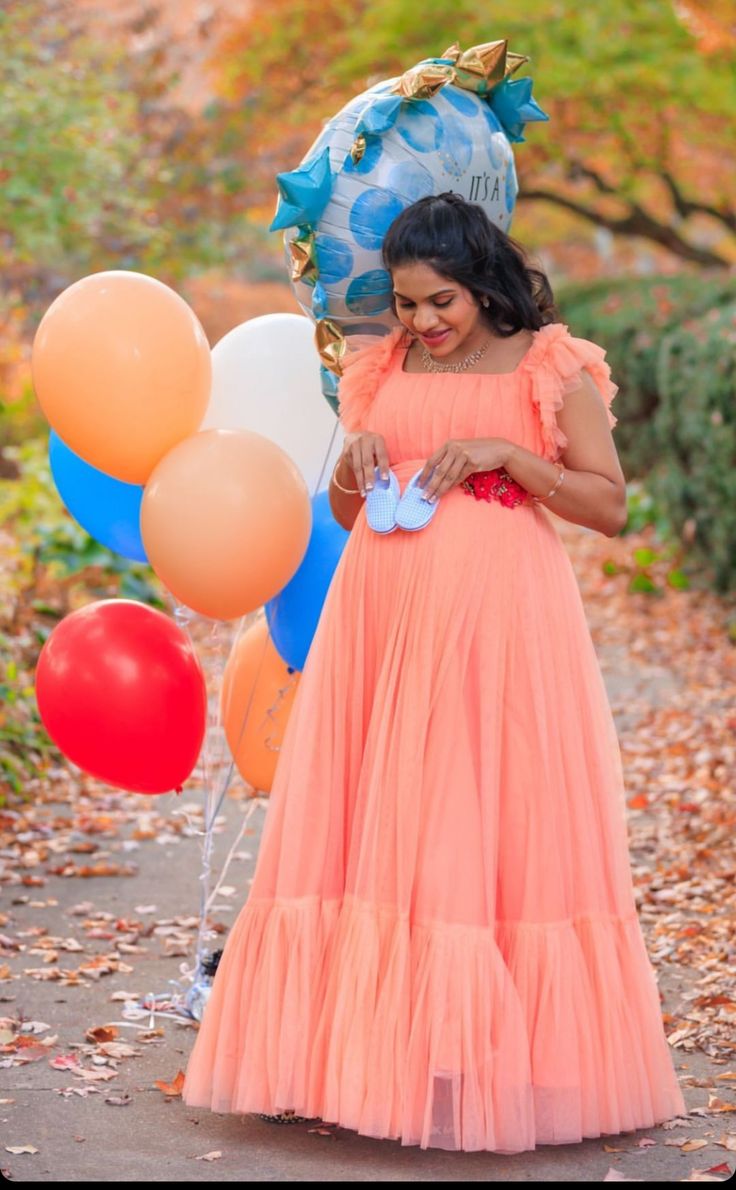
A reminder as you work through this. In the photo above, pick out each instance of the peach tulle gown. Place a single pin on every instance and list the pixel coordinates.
(441, 943)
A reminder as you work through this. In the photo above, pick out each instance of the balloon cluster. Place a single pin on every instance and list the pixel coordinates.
(447, 123)
(199, 463)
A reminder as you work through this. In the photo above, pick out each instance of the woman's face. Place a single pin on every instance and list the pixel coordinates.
(440, 312)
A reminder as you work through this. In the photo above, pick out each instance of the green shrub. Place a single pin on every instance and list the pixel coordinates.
(695, 425)
(628, 318)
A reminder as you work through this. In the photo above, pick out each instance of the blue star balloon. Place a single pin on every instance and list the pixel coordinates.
(303, 193)
(513, 104)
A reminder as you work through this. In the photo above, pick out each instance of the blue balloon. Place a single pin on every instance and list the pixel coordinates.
(457, 140)
(294, 613)
(107, 508)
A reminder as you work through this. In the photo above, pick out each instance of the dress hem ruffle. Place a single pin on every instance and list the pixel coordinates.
(437, 1035)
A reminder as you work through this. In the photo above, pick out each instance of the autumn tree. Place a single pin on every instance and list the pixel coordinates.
(99, 169)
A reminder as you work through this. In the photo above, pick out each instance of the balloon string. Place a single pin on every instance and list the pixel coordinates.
(325, 459)
(212, 808)
(256, 801)
(270, 714)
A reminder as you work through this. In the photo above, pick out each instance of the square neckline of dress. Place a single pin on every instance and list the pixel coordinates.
(513, 372)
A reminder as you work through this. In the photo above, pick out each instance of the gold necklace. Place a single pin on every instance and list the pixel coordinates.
(430, 364)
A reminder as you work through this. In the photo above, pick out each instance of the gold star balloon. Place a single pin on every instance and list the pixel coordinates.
(483, 67)
(357, 149)
(303, 258)
(331, 345)
(423, 81)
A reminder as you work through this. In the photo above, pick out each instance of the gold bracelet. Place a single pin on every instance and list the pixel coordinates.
(347, 491)
(551, 492)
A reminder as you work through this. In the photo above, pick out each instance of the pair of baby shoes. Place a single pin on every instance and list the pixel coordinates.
(386, 508)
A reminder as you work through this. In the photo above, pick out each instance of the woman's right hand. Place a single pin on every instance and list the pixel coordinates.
(362, 452)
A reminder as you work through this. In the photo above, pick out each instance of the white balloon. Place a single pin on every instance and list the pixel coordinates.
(266, 378)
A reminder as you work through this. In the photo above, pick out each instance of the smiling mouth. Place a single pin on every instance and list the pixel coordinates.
(435, 338)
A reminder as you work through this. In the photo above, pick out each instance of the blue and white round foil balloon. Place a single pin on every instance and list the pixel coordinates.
(447, 124)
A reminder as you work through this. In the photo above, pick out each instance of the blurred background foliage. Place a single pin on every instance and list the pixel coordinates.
(146, 135)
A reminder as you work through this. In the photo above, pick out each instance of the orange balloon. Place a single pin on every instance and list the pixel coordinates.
(122, 371)
(225, 521)
(257, 693)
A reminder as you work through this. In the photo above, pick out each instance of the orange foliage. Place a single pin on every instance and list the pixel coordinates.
(711, 22)
(222, 302)
(15, 353)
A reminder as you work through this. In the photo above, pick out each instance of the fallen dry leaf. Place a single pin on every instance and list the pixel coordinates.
(691, 1145)
(213, 1156)
(95, 1076)
(118, 1100)
(100, 869)
(174, 1088)
(64, 1062)
(118, 1049)
(20, 1149)
(716, 1104)
(701, 1175)
(102, 1033)
(23, 1051)
(174, 947)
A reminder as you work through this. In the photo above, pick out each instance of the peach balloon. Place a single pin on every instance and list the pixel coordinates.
(122, 371)
(257, 693)
(225, 521)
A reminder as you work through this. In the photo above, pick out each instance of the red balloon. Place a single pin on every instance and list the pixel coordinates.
(121, 692)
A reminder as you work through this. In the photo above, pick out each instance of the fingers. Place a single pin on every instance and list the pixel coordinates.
(365, 454)
(381, 457)
(430, 465)
(448, 472)
(368, 464)
(356, 462)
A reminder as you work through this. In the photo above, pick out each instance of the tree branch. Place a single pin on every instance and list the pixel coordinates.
(686, 206)
(577, 171)
(637, 223)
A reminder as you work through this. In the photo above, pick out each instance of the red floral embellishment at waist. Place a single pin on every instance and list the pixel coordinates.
(495, 485)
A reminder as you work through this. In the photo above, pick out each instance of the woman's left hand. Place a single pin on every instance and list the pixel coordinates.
(458, 458)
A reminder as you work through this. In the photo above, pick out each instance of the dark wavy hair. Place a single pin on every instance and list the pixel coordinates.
(458, 240)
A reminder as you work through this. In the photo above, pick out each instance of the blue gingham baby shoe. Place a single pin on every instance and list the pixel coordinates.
(413, 512)
(381, 502)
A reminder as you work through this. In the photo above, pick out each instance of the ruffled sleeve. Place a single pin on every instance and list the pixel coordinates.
(362, 374)
(555, 362)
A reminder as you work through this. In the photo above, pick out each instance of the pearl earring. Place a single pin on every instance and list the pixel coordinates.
(484, 301)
